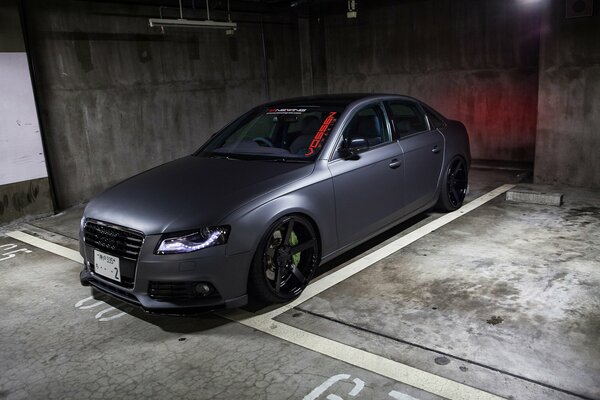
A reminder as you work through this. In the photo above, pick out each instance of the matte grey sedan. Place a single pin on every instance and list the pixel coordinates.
(282, 189)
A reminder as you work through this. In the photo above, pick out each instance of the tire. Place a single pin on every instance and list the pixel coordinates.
(285, 261)
(454, 185)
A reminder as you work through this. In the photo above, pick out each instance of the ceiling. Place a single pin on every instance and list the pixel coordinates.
(301, 7)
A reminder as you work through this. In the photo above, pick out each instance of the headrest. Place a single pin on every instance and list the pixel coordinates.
(309, 125)
(402, 125)
(368, 127)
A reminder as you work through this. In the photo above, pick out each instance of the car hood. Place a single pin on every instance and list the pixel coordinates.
(190, 193)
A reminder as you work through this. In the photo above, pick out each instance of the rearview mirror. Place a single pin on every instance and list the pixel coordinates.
(351, 147)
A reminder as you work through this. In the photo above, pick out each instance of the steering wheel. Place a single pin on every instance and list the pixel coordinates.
(264, 142)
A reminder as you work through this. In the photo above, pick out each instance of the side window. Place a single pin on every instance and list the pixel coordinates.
(434, 119)
(369, 124)
(407, 118)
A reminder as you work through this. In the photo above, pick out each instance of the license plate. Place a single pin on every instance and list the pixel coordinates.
(107, 266)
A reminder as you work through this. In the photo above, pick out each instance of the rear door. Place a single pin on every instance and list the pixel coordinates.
(423, 148)
(368, 189)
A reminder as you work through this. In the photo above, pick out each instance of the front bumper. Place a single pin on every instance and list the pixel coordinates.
(156, 276)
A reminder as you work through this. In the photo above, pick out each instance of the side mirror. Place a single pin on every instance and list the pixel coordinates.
(351, 147)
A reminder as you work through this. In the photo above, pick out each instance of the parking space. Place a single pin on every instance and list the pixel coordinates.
(59, 340)
(511, 323)
(519, 323)
(64, 340)
(299, 199)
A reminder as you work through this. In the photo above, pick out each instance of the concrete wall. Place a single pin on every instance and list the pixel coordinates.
(473, 60)
(24, 185)
(568, 132)
(119, 97)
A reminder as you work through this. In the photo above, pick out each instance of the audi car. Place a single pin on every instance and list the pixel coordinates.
(282, 189)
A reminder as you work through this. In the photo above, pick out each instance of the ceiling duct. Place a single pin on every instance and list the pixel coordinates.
(181, 22)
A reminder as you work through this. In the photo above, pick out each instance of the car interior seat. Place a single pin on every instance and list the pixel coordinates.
(402, 126)
(309, 126)
(369, 128)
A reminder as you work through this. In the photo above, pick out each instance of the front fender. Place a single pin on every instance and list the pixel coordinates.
(315, 202)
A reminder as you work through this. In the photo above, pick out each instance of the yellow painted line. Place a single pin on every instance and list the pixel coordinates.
(46, 245)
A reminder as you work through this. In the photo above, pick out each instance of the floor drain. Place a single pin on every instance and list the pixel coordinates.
(495, 320)
(442, 360)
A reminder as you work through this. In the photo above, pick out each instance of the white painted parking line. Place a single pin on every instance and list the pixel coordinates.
(107, 310)
(359, 385)
(45, 245)
(371, 362)
(80, 303)
(329, 385)
(400, 396)
(92, 305)
(10, 253)
(344, 273)
(264, 322)
(99, 316)
(319, 390)
(394, 370)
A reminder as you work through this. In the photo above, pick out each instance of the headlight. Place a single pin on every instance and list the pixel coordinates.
(202, 239)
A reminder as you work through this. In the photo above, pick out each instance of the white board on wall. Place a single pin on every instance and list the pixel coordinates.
(21, 151)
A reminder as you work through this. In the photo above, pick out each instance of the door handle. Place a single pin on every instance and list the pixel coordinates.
(435, 149)
(395, 163)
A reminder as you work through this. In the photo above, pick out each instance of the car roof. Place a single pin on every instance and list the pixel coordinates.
(343, 100)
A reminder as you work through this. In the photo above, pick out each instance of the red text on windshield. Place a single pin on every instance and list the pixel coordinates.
(321, 134)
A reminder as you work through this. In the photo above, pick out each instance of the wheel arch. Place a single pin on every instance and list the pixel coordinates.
(442, 203)
(288, 213)
(314, 204)
(257, 289)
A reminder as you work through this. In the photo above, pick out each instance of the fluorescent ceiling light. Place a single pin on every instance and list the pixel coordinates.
(191, 23)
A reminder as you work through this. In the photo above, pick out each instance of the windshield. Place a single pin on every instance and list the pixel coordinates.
(295, 133)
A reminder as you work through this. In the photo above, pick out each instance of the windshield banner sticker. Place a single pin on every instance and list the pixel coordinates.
(322, 134)
(276, 111)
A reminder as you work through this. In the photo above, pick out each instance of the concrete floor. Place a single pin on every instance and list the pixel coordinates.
(504, 299)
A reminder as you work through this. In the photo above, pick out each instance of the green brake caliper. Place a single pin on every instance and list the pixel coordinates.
(294, 242)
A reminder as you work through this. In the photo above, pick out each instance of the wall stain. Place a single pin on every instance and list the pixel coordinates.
(233, 48)
(26, 198)
(4, 204)
(83, 50)
(194, 48)
(144, 53)
(20, 200)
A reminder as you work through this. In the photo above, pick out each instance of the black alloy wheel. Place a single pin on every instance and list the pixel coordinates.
(285, 261)
(454, 186)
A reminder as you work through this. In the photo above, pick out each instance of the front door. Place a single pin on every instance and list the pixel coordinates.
(368, 189)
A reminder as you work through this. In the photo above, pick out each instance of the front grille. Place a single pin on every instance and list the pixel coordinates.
(116, 241)
(177, 291)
